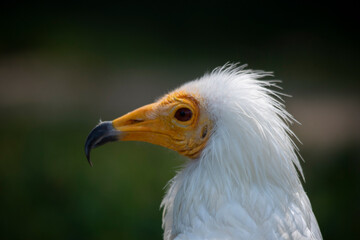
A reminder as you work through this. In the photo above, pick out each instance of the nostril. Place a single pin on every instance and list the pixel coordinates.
(134, 121)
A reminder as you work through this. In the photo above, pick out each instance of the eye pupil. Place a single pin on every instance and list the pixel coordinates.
(183, 114)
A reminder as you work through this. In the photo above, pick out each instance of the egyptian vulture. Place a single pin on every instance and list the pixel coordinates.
(241, 180)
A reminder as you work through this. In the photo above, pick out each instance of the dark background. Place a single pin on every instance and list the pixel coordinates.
(63, 66)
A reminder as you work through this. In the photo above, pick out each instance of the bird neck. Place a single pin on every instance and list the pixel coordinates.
(229, 175)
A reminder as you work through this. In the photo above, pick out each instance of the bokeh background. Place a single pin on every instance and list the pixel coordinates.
(65, 66)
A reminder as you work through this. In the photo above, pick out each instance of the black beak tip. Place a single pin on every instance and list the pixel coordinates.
(88, 148)
(101, 134)
(87, 153)
(90, 162)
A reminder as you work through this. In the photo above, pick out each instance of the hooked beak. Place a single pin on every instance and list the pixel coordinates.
(104, 132)
(142, 124)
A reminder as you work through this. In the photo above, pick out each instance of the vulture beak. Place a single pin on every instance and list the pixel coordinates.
(141, 124)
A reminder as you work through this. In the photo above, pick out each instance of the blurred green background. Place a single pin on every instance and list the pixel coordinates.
(65, 66)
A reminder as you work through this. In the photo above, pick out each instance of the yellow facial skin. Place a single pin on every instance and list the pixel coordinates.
(157, 124)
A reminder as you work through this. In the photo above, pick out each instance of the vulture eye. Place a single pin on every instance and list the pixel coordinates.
(183, 114)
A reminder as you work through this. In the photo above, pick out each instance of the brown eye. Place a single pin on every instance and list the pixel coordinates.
(183, 114)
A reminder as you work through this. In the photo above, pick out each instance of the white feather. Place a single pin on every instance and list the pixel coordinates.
(245, 184)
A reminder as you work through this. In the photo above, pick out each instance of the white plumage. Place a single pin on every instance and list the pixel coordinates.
(245, 184)
(242, 180)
